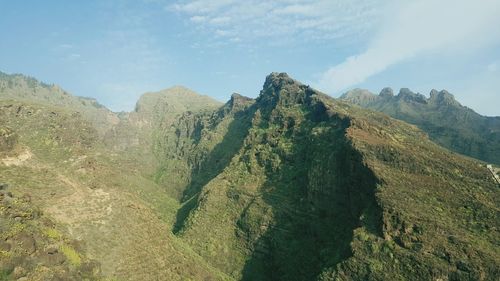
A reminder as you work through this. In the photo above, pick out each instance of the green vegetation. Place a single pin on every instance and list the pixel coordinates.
(52, 233)
(71, 255)
(293, 185)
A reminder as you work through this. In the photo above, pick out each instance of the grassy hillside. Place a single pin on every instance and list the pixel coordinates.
(32, 247)
(97, 195)
(27, 89)
(293, 185)
(447, 122)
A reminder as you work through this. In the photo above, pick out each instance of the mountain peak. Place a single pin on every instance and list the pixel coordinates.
(278, 76)
(387, 92)
(278, 80)
(177, 99)
(238, 101)
(409, 96)
(358, 93)
(279, 87)
(443, 97)
(237, 98)
(359, 96)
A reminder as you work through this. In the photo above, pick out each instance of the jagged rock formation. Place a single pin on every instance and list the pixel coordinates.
(293, 185)
(441, 116)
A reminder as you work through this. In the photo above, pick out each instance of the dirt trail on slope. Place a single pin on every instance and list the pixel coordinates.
(129, 239)
(83, 205)
(116, 227)
(17, 160)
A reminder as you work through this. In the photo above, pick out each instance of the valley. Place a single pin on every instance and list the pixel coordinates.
(292, 185)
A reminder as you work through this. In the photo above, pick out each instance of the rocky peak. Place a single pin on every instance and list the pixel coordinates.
(405, 92)
(237, 98)
(279, 88)
(443, 97)
(278, 80)
(409, 96)
(238, 102)
(387, 92)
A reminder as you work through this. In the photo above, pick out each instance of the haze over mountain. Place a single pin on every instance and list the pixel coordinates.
(292, 185)
(447, 122)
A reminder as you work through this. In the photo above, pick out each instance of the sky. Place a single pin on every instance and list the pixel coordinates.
(115, 50)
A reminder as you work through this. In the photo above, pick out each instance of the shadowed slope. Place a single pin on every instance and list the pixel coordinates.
(323, 190)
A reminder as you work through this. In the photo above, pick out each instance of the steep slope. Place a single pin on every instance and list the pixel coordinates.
(136, 134)
(445, 120)
(97, 195)
(197, 146)
(317, 189)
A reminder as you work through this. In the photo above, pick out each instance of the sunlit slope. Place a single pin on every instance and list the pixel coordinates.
(95, 195)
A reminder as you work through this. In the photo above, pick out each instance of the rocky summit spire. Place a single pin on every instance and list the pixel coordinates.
(387, 92)
(443, 97)
(409, 96)
(280, 88)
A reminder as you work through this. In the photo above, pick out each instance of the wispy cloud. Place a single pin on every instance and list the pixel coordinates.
(252, 20)
(415, 28)
(65, 46)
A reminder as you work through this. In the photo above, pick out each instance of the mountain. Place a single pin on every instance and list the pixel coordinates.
(447, 122)
(19, 87)
(292, 185)
(97, 187)
(318, 189)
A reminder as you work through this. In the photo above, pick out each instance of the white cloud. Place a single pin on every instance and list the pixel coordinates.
(74, 56)
(417, 27)
(65, 46)
(198, 19)
(202, 6)
(252, 20)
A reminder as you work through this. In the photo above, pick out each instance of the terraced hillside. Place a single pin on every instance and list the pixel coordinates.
(293, 185)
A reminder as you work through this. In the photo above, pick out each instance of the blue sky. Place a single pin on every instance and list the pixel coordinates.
(117, 50)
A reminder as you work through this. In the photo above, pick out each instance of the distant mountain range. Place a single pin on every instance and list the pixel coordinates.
(292, 185)
(447, 122)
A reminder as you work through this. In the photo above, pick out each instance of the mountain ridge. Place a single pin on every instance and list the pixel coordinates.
(292, 185)
(450, 124)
